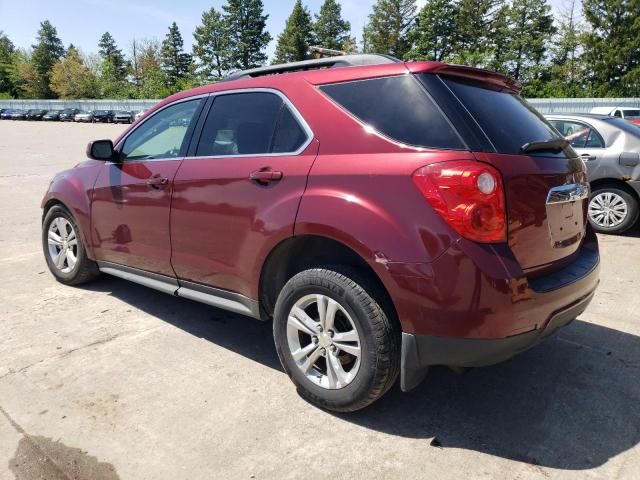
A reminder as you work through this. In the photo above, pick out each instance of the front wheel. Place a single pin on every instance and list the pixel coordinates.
(612, 209)
(64, 250)
(334, 340)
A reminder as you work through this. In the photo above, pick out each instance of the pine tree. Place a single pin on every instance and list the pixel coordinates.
(109, 51)
(388, 27)
(8, 67)
(46, 51)
(330, 29)
(70, 77)
(434, 33)
(297, 36)
(612, 46)
(473, 33)
(212, 46)
(176, 64)
(531, 32)
(499, 40)
(248, 37)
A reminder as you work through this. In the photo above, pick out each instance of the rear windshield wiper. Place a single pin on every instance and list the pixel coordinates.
(555, 145)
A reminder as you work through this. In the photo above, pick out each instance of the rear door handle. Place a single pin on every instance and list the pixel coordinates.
(587, 157)
(157, 182)
(265, 176)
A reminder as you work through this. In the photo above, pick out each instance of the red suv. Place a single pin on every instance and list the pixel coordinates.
(387, 216)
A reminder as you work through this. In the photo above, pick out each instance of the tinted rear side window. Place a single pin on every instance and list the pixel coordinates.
(505, 118)
(399, 108)
(289, 136)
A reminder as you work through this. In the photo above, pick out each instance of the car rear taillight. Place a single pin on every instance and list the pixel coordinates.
(468, 195)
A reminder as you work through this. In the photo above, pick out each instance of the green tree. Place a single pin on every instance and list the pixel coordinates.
(175, 63)
(28, 79)
(297, 36)
(8, 67)
(612, 46)
(70, 77)
(330, 29)
(46, 51)
(109, 51)
(212, 46)
(499, 40)
(248, 37)
(473, 32)
(433, 36)
(531, 32)
(389, 26)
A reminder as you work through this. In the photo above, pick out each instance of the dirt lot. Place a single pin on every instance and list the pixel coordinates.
(117, 381)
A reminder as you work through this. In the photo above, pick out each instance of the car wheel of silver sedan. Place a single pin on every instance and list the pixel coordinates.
(612, 209)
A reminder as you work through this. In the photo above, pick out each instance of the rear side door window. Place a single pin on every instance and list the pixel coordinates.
(399, 108)
(579, 134)
(250, 124)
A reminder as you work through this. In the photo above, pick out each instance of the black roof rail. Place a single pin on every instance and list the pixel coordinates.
(317, 64)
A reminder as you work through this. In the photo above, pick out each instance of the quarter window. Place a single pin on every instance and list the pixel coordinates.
(162, 135)
(399, 108)
(252, 123)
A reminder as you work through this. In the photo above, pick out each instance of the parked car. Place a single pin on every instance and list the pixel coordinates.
(122, 116)
(52, 115)
(5, 114)
(18, 114)
(103, 116)
(68, 114)
(35, 114)
(139, 114)
(388, 217)
(630, 114)
(83, 116)
(610, 147)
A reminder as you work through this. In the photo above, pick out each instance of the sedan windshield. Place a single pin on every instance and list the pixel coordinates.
(632, 114)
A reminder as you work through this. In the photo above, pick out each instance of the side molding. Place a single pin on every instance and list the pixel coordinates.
(215, 297)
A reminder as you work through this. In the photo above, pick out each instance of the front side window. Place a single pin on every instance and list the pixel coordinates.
(579, 134)
(397, 107)
(252, 123)
(162, 135)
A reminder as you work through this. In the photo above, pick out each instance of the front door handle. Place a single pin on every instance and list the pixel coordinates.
(265, 175)
(157, 182)
(587, 157)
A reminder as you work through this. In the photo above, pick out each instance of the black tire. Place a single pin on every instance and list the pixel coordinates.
(379, 337)
(633, 211)
(84, 269)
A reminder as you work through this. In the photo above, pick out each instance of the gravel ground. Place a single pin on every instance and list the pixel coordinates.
(113, 380)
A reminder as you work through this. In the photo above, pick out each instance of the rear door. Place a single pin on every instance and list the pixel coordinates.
(237, 194)
(585, 139)
(545, 190)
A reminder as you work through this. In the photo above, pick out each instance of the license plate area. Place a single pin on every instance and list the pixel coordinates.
(566, 213)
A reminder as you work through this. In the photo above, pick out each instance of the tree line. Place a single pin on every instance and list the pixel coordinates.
(592, 48)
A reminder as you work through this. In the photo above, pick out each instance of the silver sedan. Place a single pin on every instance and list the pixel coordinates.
(610, 147)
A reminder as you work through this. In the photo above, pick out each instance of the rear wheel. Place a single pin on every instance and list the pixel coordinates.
(612, 209)
(334, 340)
(64, 250)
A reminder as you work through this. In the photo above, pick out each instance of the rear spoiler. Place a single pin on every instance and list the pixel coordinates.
(494, 79)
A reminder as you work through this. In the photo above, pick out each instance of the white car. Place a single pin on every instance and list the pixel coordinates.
(631, 114)
(139, 114)
(83, 116)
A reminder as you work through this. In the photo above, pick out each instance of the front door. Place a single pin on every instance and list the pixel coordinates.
(238, 193)
(132, 197)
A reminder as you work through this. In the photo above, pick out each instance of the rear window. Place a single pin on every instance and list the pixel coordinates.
(507, 119)
(399, 108)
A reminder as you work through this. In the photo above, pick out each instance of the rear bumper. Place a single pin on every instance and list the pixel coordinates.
(419, 352)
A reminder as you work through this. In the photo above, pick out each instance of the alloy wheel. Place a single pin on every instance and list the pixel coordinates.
(63, 244)
(323, 341)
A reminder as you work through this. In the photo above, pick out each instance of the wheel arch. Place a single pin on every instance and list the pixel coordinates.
(298, 253)
(615, 182)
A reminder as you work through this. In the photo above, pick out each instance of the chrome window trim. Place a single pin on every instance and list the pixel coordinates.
(296, 114)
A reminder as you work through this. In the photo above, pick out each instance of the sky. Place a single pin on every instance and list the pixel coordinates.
(82, 22)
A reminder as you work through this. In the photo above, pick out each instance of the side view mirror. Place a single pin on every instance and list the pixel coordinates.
(100, 150)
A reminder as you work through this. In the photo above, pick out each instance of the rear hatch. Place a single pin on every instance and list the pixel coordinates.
(544, 179)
